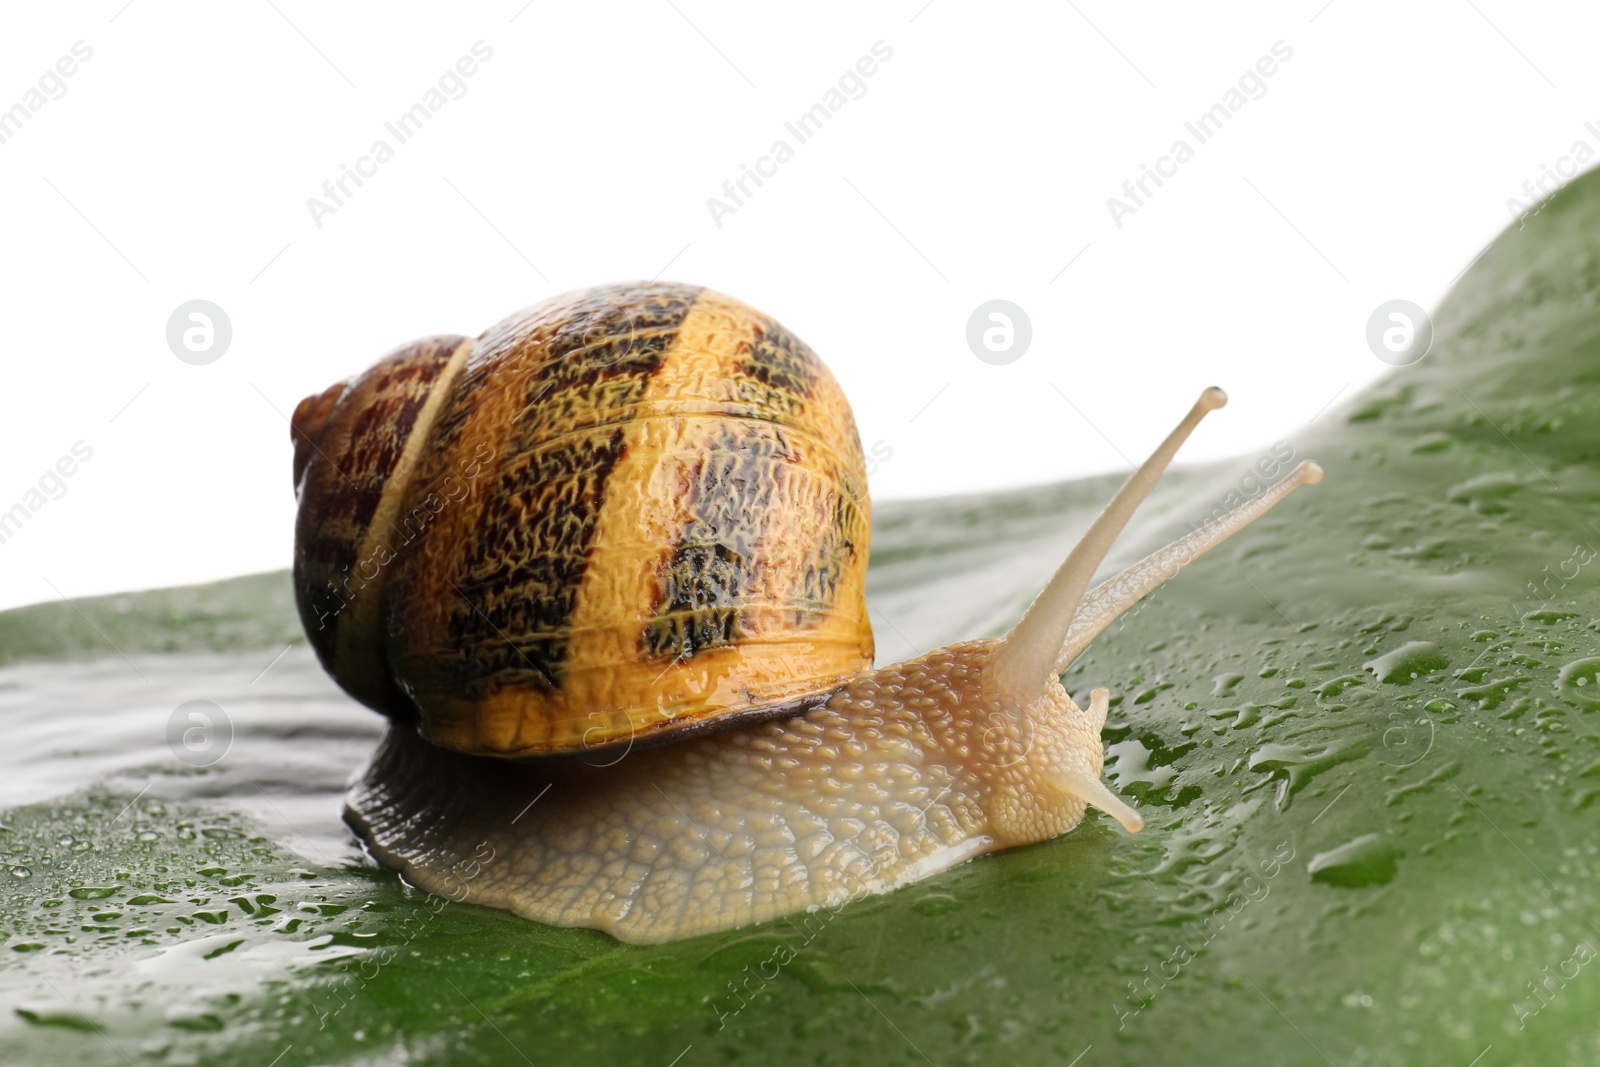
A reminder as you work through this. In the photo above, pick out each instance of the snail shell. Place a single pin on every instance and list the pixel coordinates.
(626, 514)
(639, 512)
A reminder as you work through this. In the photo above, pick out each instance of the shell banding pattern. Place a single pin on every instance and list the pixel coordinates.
(624, 514)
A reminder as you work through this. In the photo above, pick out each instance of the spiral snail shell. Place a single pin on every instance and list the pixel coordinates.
(627, 514)
(636, 517)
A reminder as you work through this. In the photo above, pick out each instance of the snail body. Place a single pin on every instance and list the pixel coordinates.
(903, 774)
(704, 662)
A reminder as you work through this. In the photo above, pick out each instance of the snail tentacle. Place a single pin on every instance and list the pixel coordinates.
(1106, 601)
(1099, 707)
(1025, 661)
(1087, 786)
(1082, 782)
(1091, 790)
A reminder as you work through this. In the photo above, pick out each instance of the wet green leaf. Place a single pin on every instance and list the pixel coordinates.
(1364, 735)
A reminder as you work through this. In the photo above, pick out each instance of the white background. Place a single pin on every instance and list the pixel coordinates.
(977, 165)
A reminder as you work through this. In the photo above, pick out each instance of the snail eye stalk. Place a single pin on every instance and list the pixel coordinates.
(1101, 605)
(1024, 663)
(1062, 620)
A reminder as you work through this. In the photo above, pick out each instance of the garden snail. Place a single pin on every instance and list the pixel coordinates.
(629, 526)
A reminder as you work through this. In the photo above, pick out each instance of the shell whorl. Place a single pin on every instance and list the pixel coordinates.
(636, 511)
(356, 445)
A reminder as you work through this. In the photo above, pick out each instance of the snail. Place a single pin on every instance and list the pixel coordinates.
(603, 568)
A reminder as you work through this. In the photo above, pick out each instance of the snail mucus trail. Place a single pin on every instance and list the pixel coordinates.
(627, 661)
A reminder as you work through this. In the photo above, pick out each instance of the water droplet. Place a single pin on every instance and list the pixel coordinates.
(936, 904)
(68, 1020)
(1334, 686)
(1367, 860)
(20, 871)
(1486, 494)
(1579, 683)
(93, 892)
(1408, 662)
(1437, 441)
(1223, 684)
(1294, 765)
(1132, 767)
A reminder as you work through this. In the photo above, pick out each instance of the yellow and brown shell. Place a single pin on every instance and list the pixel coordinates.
(625, 514)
